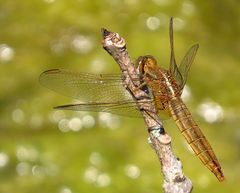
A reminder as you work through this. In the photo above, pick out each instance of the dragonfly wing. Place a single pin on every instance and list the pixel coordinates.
(186, 63)
(87, 87)
(173, 66)
(124, 108)
(101, 92)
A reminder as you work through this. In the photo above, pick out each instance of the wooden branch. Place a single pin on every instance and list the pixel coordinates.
(174, 179)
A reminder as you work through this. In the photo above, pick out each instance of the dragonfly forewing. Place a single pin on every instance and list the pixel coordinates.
(100, 88)
(180, 73)
(173, 65)
(97, 92)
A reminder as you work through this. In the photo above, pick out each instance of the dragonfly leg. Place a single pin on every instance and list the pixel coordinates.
(151, 74)
(143, 86)
(160, 129)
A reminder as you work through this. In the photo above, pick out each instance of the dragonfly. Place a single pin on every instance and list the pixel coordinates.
(106, 93)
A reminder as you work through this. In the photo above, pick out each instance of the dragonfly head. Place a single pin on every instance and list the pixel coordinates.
(146, 64)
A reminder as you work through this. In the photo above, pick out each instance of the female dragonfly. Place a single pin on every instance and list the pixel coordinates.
(106, 93)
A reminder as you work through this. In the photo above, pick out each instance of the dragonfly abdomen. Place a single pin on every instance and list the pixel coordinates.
(194, 136)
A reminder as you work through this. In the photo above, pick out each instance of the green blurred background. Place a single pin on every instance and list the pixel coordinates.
(43, 150)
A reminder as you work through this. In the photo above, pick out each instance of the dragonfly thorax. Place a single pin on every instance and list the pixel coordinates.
(159, 81)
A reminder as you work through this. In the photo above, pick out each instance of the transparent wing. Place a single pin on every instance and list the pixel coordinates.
(180, 73)
(100, 92)
(86, 86)
(173, 66)
(124, 108)
(186, 63)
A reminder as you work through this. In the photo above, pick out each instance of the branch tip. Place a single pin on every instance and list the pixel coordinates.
(105, 32)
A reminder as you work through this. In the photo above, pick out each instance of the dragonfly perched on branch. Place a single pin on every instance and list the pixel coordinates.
(106, 93)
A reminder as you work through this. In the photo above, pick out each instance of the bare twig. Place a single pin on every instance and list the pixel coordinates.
(174, 179)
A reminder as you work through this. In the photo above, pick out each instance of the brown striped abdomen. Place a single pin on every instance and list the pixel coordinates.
(194, 136)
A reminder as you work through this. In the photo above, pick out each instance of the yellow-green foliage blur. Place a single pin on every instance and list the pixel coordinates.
(50, 151)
